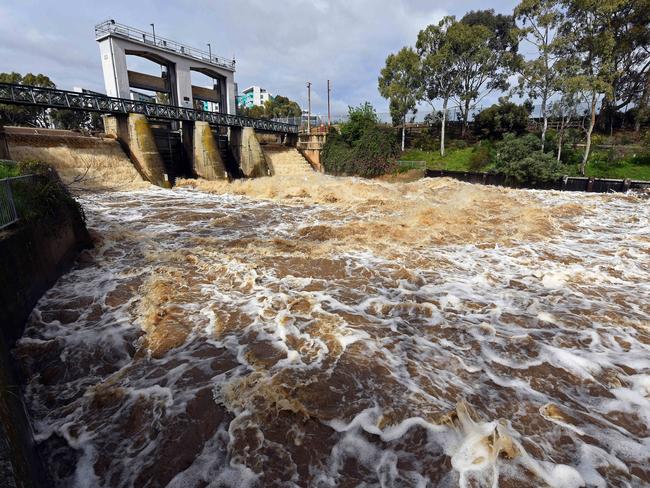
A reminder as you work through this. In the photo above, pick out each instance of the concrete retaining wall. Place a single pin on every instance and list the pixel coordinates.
(32, 257)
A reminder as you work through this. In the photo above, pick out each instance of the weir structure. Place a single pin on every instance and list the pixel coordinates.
(184, 130)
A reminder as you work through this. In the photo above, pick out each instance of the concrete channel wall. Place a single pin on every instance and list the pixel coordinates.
(566, 183)
(32, 257)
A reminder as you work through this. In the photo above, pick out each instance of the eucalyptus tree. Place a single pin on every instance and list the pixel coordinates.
(630, 74)
(439, 76)
(400, 83)
(540, 76)
(589, 54)
(483, 47)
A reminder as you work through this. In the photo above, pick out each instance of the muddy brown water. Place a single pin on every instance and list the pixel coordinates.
(336, 332)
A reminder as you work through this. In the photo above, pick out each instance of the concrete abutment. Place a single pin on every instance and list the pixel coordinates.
(135, 135)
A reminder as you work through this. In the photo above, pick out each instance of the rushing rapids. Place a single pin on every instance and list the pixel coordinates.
(337, 332)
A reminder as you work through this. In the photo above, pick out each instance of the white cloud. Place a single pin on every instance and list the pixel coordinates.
(278, 44)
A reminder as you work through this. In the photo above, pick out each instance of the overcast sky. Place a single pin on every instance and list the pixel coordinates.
(279, 45)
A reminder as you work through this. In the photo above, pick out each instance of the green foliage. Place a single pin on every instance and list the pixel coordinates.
(520, 158)
(280, 106)
(8, 169)
(77, 120)
(18, 115)
(362, 148)
(425, 141)
(42, 198)
(275, 107)
(359, 119)
(481, 156)
(513, 148)
(400, 83)
(504, 117)
(375, 152)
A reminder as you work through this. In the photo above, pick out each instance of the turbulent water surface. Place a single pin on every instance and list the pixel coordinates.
(333, 332)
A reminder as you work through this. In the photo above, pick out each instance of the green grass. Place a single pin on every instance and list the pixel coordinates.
(633, 167)
(454, 159)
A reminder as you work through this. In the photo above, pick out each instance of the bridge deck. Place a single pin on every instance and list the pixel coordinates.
(52, 98)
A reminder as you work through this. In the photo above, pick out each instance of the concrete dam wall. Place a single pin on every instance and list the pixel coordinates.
(81, 161)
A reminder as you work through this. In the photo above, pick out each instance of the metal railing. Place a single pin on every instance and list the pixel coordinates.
(110, 27)
(53, 98)
(8, 211)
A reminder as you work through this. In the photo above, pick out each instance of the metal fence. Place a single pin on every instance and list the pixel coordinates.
(566, 183)
(8, 211)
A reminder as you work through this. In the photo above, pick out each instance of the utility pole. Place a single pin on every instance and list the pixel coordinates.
(309, 107)
(210, 51)
(153, 28)
(329, 112)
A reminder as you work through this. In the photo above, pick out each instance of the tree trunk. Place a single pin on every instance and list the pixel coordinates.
(592, 122)
(643, 104)
(403, 131)
(442, 128)
(544, 123)
(465, 120)
(560, 138)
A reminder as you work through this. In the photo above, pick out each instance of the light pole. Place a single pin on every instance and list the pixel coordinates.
(329, 112)
(153, 28)
(210, 51)
(309, 107)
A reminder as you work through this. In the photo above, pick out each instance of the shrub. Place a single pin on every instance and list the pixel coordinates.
(540, 167)
(513, 148)
(376, 152)
(521, 158)
(337, 155)
(458, 144)
(504, 117)
(425, 141)
(481, 156)
(363, 148)
(359, 119)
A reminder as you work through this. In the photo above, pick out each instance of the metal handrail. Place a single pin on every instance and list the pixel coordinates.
(110, 27)
(53, 98)
(8, 213)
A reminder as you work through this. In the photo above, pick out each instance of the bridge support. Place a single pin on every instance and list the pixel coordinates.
(207, 162)
(248, 153)
(135, 135)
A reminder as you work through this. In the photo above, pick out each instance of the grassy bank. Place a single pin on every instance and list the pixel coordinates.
(601, 164)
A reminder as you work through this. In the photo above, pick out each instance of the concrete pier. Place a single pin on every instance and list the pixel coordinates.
(207, 162)
(248, 153)
(136, 137)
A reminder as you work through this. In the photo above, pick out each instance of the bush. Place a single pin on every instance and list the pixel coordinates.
(376, 152)
(337, 155)
(540, 167)
(363, 148)
(504, 117)
(359, 119)
(513, 148)
(425, 141)
(521, 158)
(481, 156)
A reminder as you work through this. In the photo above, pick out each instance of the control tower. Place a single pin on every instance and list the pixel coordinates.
(117, 41)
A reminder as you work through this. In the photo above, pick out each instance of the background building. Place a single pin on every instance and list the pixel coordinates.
(253, 96)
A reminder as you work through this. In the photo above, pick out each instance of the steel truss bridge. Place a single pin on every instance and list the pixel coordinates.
(52, 98)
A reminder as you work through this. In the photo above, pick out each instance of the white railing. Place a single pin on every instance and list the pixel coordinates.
(110, 27)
